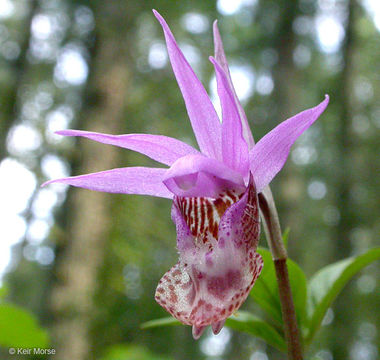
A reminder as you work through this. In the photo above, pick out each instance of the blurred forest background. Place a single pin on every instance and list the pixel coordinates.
(86, 264)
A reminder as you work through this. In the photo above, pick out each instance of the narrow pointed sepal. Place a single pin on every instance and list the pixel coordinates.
(234, 146)
(220, 57)
(131, 180)
(217, 326)
(202, 114)
(269, 155)
(163, 149)
(198, 331)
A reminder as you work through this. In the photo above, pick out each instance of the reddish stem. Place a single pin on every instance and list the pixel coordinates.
(288, 313)
(279, 254)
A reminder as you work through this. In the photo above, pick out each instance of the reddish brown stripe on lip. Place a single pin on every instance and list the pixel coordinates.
(202, 215)
(220, 206)
(190, 211)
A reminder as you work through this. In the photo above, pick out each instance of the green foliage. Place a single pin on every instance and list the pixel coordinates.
(253, 325)
(19, 328)
(312, 299)
(242, 321)
(3, 292)
(328, 282)
(285, 236)
(167, 321)
(265, 291)
(131, 352)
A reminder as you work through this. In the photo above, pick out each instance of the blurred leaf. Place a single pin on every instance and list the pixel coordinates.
(167, 321)
(285, 237)
(3, 292)
(328, 282)
(242, 321)
(251, 324)
(131, 352)
(265, 290)
(298, 284)
(19, 328)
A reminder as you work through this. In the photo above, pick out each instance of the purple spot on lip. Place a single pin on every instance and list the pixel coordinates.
(221, 242)
(219, 286)
(208, 257)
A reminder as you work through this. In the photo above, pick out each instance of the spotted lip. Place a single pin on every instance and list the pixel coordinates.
(218, 265)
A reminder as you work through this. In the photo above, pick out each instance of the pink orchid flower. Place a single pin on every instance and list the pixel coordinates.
(214, 191)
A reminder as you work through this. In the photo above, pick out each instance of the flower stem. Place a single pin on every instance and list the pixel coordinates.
(279, 254)
(288, 313)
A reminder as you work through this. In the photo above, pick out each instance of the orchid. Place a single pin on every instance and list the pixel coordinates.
(214, 191)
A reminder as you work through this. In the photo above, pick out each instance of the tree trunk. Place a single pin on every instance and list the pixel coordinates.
(88, 212)
(344, 150)
(343, 98)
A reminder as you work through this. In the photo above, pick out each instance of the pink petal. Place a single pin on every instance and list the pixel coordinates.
(130, 180)
(160, 148)
(204, 120)
(198, 331)
(269, 155)
(234, 147)
(197, 175)
(222, 61)
(217, 326)
(212, 278)
(240, 224)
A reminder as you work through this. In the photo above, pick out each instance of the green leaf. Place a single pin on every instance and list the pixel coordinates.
(285, 237)
(265, 290)
(241, 321)
(19, 328)
(130, 352)
(328, 282)
(3, 292)
(167, 321)
(253, 325)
